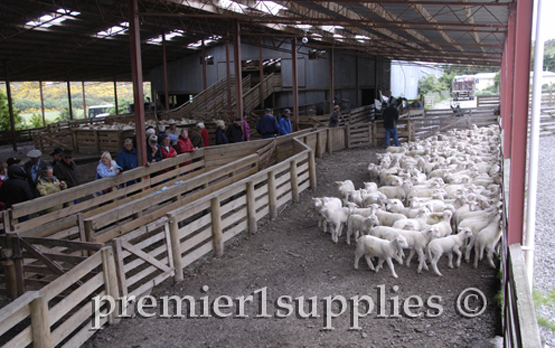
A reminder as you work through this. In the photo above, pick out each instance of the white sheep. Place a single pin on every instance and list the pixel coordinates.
(344, 188)
(396, 206)
(444, 227)
(374, 198)
(477, 224)
(321, 202)
(487, 239)
(399, 192)
(387, 218)
(358, 224)
(336, 218)
(417, 242)
(370, 246)
(420, 221)
(450, 244)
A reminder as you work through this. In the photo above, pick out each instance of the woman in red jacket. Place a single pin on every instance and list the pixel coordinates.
(184, 144)
(167, 150)
(204, 133)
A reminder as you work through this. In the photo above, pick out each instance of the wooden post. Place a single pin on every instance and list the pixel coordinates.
(118, 253)
(97, 141)
(409, 129)
(251, 207)
(272, 195)
(375, 135)
(110, 281)
(318, 145)
(13, 244)
(89, 232)
(369, 133)
(40, 323)
(217, 227)
(6, 220)
(10, 273)
(312, 170)
(176, 248)
(294, 181)
(329, 140)
(348, 135)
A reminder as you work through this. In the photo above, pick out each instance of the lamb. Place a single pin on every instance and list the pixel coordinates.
(374, 198)
(476, 225)
(387, 218)
(450, 244)
(360, 224)
(396, 206)
(319, 203)
(444, 227)
(370, 246)
(417, 242)
(344, 188)
(336, 218)
(399, 192)
(419, 221)
(487, 239)
(381, 231)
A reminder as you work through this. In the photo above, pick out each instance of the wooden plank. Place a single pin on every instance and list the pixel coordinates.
(197, 239)
(64, 243)
(234, 218)
(139, 262)
(84, 334)
(195, 225)
(22, 339)
(136, 278)
(145, 256)
(236, 203)
(64, 281)
(196, 254)
(235, 230)
(17, 310)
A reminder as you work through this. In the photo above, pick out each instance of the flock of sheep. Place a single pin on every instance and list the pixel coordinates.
(184, 122)
(436, 196)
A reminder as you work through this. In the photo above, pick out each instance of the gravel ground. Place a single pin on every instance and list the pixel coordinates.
(544, 261)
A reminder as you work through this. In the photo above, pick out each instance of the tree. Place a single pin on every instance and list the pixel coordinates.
(430, 84)
(123, 107)
(64, 115)
(5, 115)
(36, 120)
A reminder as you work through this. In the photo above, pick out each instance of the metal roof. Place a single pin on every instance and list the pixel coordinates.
(87, 40)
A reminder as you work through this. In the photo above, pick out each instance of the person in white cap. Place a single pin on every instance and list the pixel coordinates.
(173, 128)
(34, 168)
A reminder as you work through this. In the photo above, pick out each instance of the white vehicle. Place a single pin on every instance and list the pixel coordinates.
(99, 110)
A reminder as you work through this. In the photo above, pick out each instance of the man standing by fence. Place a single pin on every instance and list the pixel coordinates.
(390, 117)
(267, 126)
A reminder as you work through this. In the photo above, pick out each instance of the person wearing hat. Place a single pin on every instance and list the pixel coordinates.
(34, 168)
(153, 153)
(285, 122)
(12, 161)
(390, 117)
(334, 117)
(204, 133)
(195, 136)
(66, 170)
(57, 156)
(267, 126)
(173, 128)
(221, 138)
(234, 132)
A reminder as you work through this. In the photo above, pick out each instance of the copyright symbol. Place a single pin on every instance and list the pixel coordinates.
(471, 302)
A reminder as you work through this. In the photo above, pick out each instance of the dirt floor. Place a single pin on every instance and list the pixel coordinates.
(291, 257)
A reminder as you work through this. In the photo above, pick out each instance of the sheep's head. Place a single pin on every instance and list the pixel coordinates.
(401, 242)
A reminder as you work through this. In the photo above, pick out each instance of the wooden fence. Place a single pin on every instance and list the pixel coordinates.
(61, 313)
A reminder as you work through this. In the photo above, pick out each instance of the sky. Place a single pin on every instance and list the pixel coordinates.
(547, 23)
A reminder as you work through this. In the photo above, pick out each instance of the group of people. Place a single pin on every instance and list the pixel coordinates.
(267, 126)
(37, 177)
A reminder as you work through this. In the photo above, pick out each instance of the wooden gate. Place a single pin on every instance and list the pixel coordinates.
(144, 258)
(358, 134)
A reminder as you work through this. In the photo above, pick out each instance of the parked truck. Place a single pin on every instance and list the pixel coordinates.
(464, 87)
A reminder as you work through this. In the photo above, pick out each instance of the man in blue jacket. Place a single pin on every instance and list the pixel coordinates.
(267, 126)
(390, 117)
(285, 122)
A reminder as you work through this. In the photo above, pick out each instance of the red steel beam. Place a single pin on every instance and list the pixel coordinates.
(228, 74)
(10, 107)
(509, 83)
(84, 100)
(238, 68)
(165, 61)
(42, 105)
(261, 68)
(203, 67)
(295, 77)
(521, 92)
(137, 73)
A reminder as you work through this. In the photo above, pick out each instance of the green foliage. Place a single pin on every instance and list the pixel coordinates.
(123, 106)
(547, 300)
(456, 70)
(430, 84)
(5, 115)
(64, 115)
(35, 121)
